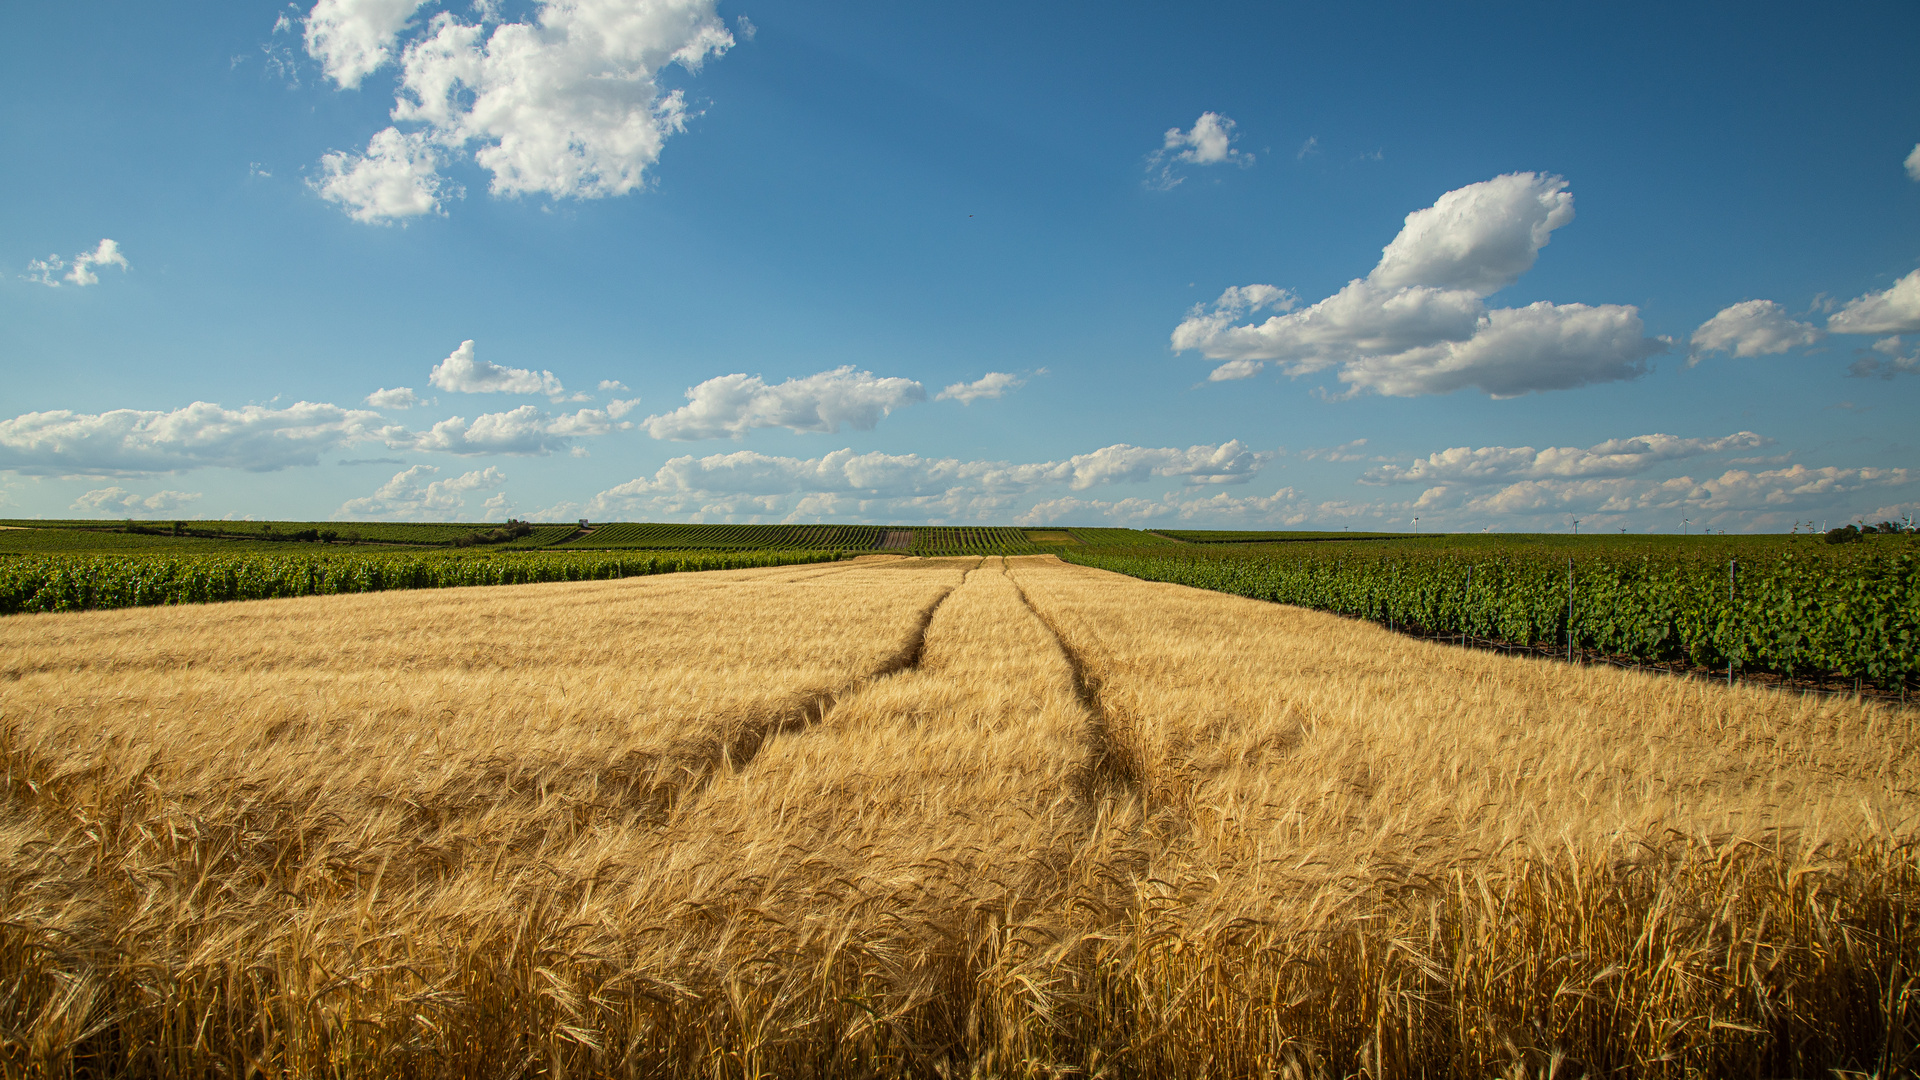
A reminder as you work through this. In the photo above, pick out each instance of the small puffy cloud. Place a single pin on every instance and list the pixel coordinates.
(1479, 238)
(1895, 310)
(354, 38)
(412, 496)
(1469, 466)
(1206, 325)
(612, 384)
(45, 271)
(397, 178)
(1347, 451)
(566, 104)
(1417, 323)
(80, 273)
(1208, 143)
(1913, 163)
(1235, 369)
(991, 385)
(106, 254)
(1752, 328)
(400, 397)
(119, 502)
(732, 405)
(133, 441)
(463, 373)
(1885, 359)
(1228, 463)
(526, 431)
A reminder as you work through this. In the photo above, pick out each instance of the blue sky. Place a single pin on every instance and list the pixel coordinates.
(1153, 265)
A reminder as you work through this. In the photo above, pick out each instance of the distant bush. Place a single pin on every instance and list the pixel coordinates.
(1848, 534)
(512, 530)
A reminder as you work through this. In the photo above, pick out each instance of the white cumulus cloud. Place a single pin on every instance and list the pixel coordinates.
(1913, 163)
(398, 177)
(464, 373)
(354, 38)
(1752, 328)
(991, 385)
(400, 397)
(47, 271)
(1479, 238)
(1417, 323)
(566, 104)
(133, 441)
(1467, 465)
(412, 496)
(1895, 310)
(106, 254)
(1208, 142)
(525, 431)
(732, 405)
(1516, 351)
(1229, 463)
(118, 502)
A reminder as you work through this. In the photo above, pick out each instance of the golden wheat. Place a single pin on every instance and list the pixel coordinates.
(922, 817)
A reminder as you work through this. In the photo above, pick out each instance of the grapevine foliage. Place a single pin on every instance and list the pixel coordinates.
(77, 582)
(1848, 612)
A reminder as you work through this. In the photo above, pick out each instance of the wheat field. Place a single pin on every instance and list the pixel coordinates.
(912, 817)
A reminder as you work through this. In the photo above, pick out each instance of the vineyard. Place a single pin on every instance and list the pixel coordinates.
(76, 583)
(96, 533)
(739, 537)
(1118, 538)
(1788, 609)
(971, 540)
(1262, 536)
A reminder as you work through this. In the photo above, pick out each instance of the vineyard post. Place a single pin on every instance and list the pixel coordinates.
(1569, 610)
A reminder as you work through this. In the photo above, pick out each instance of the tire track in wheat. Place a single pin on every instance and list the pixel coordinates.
(1112, 768)
(735, 750)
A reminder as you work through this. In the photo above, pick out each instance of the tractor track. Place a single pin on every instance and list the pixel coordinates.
(737, 749)
(1111, 768)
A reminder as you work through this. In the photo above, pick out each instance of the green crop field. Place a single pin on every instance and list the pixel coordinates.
(739, 537)
(972, 540)
(1263, 536)
(1123, 538)
(122, 535)
(18, 541)
(1769, 604)
(84, 582)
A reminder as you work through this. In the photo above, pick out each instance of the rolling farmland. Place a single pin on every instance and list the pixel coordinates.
(1782, 608)
(906, 817)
